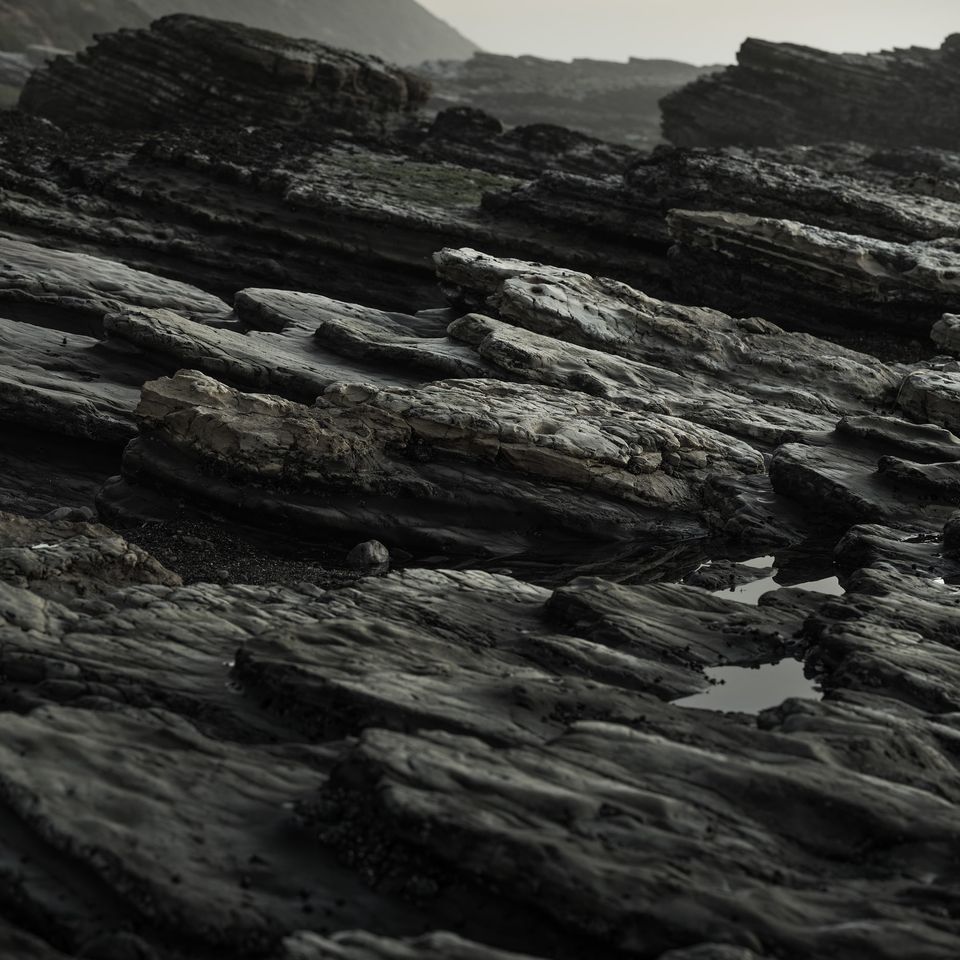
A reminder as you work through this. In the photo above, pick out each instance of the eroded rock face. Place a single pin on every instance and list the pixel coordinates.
(797, 271)
(228, 207)
(416, 457)
(516, 746)
(782, 93)
(192, 70)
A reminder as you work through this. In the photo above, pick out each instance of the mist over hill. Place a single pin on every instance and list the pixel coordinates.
(398, 30)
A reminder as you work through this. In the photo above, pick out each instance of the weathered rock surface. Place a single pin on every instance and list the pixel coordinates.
(874, 470)
(782, 93)
(73, 292)
(193, 70)
(613, 101)
(516, 746)
(806, 274)
(225, 208)
(748, 356)
(417, 457)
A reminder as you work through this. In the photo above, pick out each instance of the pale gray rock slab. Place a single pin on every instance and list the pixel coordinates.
(74, 291)
(932, 396)
(68, 384)
(564, 464)
(374, 340)
(273, 362)
(364, 946)
(749, 356)
(522, 354)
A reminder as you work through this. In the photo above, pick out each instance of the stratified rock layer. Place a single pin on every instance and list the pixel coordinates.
(193, 70)
(516, 771)
(781, 93)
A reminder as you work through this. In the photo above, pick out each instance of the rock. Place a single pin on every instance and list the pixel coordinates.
(284, 365)
(473, 138)
(364, 946)
(782, 93)
(76, 514)
(57, 557)
(73, 292)
(416, 458)
(200, 71)
(797, 271)
(874, 470)
(479, 703)
(455, 803)
(372, 556)
(613, 101)
(915, 554)
(946, 333)
(932, 396)
(67, 384)
(738, 182)
(740, 355)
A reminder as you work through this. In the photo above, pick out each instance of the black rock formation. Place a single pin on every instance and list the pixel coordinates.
(781, 93)
(193, 70)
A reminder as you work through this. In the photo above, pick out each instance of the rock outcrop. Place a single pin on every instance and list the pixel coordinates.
(193, 70)
(798, 272)
(614, 101)
(516, 769)
(781, 93)
(544, 613)
(226, 208)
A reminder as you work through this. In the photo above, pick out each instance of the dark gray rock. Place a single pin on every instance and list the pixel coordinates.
(798, 272)
(782, 93)
(195, 70)
(372, 556)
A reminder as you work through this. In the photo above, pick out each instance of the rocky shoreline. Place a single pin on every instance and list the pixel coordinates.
(382, 501)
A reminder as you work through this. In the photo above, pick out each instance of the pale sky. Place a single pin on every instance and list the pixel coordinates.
(699, 31)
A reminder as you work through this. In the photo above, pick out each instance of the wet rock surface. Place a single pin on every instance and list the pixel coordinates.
(543, 612)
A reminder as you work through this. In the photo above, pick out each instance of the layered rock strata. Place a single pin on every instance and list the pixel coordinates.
(515, 760)
(782, 93)
(192, 70)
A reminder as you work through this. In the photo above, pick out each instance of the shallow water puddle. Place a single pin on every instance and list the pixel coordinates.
(751, 593)
(752, 689)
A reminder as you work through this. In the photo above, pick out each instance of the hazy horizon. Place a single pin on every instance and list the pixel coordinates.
(698, 31)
